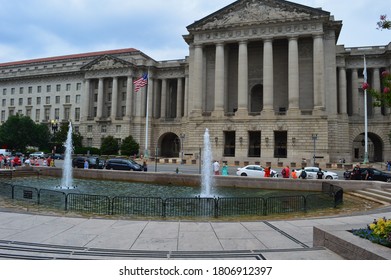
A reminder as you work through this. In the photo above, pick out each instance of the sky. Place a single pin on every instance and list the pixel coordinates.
(32, 29)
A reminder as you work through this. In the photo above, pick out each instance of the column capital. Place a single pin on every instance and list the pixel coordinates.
(318, 35)
(293, 37)
(268, 39)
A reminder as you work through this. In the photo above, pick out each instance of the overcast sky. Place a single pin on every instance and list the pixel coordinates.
(43, 28)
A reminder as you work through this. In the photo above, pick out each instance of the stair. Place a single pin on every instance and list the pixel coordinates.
(382, 196)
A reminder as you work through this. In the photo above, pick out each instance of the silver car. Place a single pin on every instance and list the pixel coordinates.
(311, 173)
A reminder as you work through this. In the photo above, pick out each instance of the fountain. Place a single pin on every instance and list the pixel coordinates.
(67, 176)
(206, 171)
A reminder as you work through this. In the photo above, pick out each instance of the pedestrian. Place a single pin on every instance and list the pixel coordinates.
(319, 174)
(285, 172)
(369, 174)
(145, 167)
(389, 165)
(303, 174)
(224, 170)
(86, 165)
(294, 174)
(356, 173)
(267, 172)
(216, 168)
(347, 174)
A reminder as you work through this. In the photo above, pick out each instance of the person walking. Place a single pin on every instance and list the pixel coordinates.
(216, 167)
(267, 172)
(303, 174)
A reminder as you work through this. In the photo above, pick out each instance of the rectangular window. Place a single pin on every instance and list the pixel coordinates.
(229, 143)
(48, 88)
(123, 111)
(77, 114)
(47, 100)
(103, 129)
(89, 142)
(28, 113)
(38, 100)
(89, 128)
(118, 129)
(12, 102)
(95, 112)
(21, 90)
(57, 99)
(67, 113)
(39, 89)
(29, 101)
(20, 101)
(78, 86)
(67, 99)
(47, 114)
(12, 90)
(37, 115)
(30, 90)
(4, 102)
(124, 96)
(3, 116)
(57, 113)
(68, 87)
(77, 129)
(4, 91)
(280, 144)
(58, 88)
(11, 112)
(254, 145)
(77, 101)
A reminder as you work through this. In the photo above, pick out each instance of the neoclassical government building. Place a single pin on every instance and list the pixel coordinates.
(267, 78)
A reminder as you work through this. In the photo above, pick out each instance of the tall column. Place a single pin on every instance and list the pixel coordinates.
(343, 104)
(376, 86)
(197, 92)
(268, 84)
(163, 99)
(85, 102)
(129, 96)
(219, 81)
(293, 76)
(179, 100)
(186, 101)
(99, 114)
(114, 99)
(355, 93)
(319, 90)
(243, 80)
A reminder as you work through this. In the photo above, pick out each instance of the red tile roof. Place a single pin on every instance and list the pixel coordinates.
(72, 56)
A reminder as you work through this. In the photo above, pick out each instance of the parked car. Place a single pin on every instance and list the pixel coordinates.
(57, 156)
(93, 162)
(254, 171)
(311, 173)
(38, 155)
(377, 175)
(123, 164)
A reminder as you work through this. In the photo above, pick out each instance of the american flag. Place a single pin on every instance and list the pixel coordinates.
(140, 82)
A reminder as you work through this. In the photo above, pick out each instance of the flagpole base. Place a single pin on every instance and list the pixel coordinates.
(366, 159)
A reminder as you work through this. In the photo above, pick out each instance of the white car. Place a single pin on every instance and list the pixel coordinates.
(311, 173)
(38, 155)
(254, 171)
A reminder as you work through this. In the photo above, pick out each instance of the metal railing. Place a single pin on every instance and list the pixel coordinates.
(331, 196)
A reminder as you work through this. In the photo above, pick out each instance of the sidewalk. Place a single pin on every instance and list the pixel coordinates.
(24, 235)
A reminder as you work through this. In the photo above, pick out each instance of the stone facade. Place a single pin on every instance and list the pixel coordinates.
(264, 77)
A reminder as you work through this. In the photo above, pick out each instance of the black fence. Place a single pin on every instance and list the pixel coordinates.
(331, 196)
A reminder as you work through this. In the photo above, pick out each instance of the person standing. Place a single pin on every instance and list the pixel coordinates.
(224, 170)
(303, 174)
(286, 172)
(356, 173)
(319, 174)
(216, 168)
(267, 172)
(294, 174)
(86, 164)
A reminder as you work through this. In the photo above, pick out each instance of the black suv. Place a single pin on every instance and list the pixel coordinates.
(123, 164)
(93, 162)
(376, 175)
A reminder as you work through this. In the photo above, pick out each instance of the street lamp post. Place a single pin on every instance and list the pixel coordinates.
(314, 138)
(182, 136)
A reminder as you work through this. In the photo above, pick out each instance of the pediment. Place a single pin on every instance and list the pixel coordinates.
(250, 12)
(106, 62)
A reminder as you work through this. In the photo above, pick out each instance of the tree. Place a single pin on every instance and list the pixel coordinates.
(129, 146)
(61, 136)
(18, 132)
(109, 146)
(382, 98)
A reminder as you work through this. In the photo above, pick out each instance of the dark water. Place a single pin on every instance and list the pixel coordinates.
(118, 188)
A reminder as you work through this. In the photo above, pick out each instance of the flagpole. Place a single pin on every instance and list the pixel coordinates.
(366, 159)
(146, 152)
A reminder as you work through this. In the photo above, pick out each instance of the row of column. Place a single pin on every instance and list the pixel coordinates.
(268, 78)
(139, 98)
(357, 97)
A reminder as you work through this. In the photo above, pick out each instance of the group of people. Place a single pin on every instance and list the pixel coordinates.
(216, 168)
(287, 173)
(7, 162)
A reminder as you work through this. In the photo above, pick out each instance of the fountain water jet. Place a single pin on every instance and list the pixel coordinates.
(206, 171)
(67, 176)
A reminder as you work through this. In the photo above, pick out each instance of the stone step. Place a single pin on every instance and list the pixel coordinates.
(369, 193)
(380, 192)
